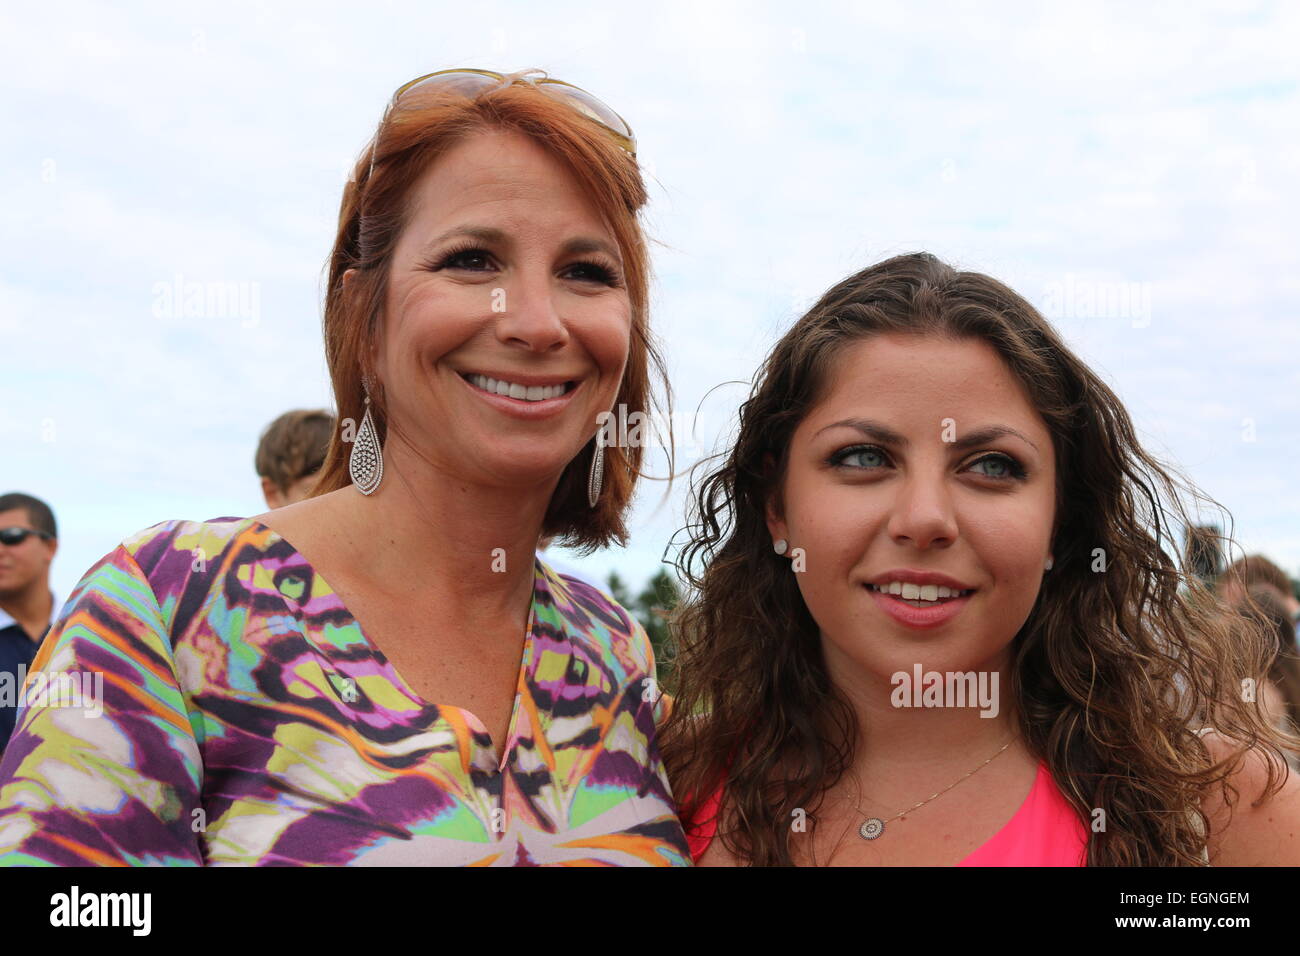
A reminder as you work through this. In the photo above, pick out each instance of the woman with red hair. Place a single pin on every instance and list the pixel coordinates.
(385, 672)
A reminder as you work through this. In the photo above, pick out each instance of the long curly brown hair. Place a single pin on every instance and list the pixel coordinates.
(1113, 673)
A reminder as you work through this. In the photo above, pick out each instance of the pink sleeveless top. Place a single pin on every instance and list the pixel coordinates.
(1045, 831)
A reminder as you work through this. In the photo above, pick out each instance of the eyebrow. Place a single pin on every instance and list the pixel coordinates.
(489, 234)
(887, 436)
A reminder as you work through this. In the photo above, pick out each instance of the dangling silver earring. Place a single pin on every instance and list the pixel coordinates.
(596, 477)
(366, 463)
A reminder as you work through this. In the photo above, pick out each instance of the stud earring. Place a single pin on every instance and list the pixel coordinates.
(780, 545)
(1049, 564)
(366, 463)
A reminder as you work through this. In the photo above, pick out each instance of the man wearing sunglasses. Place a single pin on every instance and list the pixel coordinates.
(28, 542)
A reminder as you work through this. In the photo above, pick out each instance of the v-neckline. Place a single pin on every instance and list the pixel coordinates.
(468, 717)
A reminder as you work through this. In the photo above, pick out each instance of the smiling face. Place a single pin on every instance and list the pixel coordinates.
(860, 506)
(505, 271)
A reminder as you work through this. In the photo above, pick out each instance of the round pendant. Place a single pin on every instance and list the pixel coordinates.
(871, 828)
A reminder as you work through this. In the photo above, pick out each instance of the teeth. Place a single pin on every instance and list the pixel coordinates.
(915, 592)
(529, 393)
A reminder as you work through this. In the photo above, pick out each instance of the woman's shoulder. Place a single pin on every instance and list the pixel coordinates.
(179, 549)
(1254, 828)
(174, 559)
(198, 539)
(141, 594)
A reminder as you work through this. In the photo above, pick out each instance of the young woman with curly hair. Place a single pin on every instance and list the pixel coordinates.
(937, 615)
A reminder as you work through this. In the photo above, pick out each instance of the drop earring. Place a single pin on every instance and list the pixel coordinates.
(366, 463)
(595, 478)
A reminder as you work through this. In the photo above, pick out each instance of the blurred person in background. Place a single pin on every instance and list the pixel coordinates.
(291, 453)
(1280, 690)
(28, 542)
(1246, 573)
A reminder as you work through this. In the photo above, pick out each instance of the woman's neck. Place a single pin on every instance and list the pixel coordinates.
(917, 723)
(424, 535)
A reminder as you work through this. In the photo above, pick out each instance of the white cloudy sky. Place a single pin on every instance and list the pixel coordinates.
(1152, 147)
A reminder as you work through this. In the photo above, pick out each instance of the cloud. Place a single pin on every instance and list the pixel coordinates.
(789, 146)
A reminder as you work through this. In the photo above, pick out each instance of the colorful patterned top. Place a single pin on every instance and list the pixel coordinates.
(247, 720)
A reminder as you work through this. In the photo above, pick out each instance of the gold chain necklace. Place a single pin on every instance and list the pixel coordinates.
(874, 827)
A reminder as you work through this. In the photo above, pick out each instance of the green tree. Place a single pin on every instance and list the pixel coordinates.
(618, 590)
(655, 603)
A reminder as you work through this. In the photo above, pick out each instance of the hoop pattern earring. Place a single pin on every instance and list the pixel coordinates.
(366, 463)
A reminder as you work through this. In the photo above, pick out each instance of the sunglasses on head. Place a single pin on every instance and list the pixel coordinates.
(16, 535)
(472, 82)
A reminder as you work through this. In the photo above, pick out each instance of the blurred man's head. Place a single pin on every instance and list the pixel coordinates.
(290, 454)
(28, 542)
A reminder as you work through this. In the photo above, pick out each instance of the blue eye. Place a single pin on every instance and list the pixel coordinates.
(849, 453)
(1012, 470)
(1011, 466)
